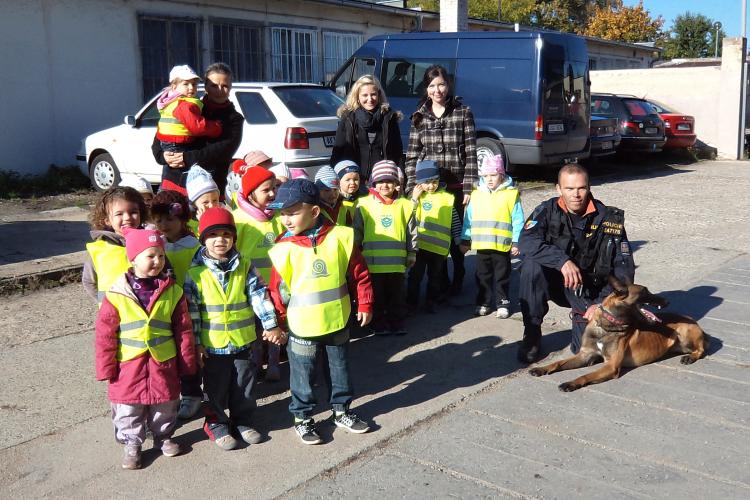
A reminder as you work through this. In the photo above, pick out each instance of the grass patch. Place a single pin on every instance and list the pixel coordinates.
(57, 180)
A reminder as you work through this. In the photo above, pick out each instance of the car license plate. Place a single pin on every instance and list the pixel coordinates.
(607, 145)
(651, 130)
(328, 140)
(683, 126)
(555, 128)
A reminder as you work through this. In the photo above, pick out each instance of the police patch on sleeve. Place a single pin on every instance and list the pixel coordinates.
(625, 247)
(529, 224)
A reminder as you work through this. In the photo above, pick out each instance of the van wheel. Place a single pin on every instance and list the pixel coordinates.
(487, 147)
(103, 172)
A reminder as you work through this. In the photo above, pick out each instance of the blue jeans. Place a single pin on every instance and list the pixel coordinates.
(303, 354)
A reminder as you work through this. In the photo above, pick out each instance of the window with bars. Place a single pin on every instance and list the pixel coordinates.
(337, 48)
(241, 47)
(165, 42)
(294, 55)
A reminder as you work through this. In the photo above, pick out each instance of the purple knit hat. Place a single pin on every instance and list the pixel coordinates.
(492, 165)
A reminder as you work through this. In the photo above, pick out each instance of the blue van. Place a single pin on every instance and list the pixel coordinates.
(529, 90)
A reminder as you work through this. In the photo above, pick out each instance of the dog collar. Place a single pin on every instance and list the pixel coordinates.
(609, 317)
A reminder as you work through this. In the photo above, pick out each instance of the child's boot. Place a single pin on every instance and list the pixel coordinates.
(273, 372)
(131, 459)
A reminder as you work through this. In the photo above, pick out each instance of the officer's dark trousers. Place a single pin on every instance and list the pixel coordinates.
(539, 285)
(229, 380)
(493, 268)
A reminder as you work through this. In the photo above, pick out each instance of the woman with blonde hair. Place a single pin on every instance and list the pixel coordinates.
(368, 129)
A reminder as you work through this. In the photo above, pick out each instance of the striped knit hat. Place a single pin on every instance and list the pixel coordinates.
(345, 167)
(384, 170)
(326, 178)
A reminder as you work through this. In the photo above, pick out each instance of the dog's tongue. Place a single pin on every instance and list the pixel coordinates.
(649, 315)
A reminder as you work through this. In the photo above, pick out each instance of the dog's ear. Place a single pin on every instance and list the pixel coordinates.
(617, 285)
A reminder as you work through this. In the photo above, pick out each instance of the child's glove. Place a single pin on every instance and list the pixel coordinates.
(514, 251)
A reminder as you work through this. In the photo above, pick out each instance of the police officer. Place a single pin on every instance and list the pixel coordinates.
(570, 245)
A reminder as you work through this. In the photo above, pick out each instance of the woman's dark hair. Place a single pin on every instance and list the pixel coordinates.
(430, 74)
(218, 67)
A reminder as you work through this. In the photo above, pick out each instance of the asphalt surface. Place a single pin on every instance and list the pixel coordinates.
(453, 413)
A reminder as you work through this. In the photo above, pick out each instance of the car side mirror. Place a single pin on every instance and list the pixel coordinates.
(130, 120)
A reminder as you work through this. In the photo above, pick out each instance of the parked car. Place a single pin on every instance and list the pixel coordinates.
(604, 135)
(529, 91)
(679, 128)
(641, 129)
(291, 123)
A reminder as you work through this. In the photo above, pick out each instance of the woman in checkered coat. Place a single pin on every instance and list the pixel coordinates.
(442, 129)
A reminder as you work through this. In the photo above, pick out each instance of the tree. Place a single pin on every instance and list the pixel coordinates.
(690, 37)
(624, 24)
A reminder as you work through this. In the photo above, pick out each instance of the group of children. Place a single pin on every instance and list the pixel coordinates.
(195, 298)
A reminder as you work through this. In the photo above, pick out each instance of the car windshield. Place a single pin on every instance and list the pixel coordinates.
(636, 107)
(309, 102)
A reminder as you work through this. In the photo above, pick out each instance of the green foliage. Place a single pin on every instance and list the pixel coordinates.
(691, 36)
(57, 180)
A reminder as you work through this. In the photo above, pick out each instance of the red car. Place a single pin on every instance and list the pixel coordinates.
(679, 128)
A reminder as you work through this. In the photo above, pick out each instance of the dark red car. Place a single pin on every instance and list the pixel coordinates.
(679, 128)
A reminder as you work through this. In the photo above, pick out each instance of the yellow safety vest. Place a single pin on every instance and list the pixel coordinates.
(316, 277)
(141, 332)
(491, 227)
(181, 260)
(168, 124)
(341, 216)
(110, 262)
(385, 233)
(434, 215)
(255, 238)
(225, 316)
(192, 224)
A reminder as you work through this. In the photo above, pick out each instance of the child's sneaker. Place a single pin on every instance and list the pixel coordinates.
(189, 406)
(350, 422)
(249, 435)
(226, 442)
(503, 309)
(482, 311)
(131, 459)
(306, 431)
(168, 447)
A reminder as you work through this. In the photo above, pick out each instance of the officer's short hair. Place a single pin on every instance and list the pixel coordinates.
(573, 168)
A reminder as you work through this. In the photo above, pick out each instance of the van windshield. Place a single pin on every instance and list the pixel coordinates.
(309, 102)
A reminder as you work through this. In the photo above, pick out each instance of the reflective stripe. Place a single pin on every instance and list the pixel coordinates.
(431, 226)
(426, 238)
(316, 298)
(491, 224)
(489, 238)
(134, 325)
(384, 245)
(170, 120)
(261, 263)
(139, 344)
(231, 326)
(380, 260)
(156, 323)
(224, 307)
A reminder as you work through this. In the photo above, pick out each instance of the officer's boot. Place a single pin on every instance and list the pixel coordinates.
(529, 350)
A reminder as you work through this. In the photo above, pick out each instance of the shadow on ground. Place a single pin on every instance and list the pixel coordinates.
(69, 237)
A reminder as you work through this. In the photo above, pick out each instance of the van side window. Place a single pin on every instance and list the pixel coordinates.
(354, 69)
(402, 78)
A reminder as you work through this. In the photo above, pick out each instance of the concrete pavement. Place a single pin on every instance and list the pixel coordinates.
(453, 413)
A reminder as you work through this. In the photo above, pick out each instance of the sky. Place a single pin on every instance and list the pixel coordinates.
(728, 12)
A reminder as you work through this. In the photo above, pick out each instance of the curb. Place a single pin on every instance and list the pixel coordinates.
(22, 284)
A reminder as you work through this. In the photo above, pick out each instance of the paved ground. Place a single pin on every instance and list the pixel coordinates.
(453, 413)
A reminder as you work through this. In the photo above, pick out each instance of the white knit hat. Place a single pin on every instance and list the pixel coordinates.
(199, 182)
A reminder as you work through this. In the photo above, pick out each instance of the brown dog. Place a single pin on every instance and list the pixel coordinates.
(624, 333)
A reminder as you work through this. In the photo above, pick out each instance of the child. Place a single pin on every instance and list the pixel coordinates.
(330, 200)
(115, 209)
(144, 343)
(257, 229)
(141, 185)
(223, 290)
(180, 121)
(170, 213)
(492, 225)
(349, 184)
(438, 223)
(282, 173)
(202, 192)
(237, 170)
(314, 264)
(385, 229)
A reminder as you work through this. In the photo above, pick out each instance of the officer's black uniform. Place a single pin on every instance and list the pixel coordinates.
(596, 242)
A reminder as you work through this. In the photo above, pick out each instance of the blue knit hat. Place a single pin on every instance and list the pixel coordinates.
(345, 167)
(326, 178)
(427, 170)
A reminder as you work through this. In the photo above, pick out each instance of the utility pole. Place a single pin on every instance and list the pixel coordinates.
(717, 27)
(499, 10)
(743, 94)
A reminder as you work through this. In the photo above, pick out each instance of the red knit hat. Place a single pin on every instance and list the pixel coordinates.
(138, 240)
(254, 177)
(216, 218)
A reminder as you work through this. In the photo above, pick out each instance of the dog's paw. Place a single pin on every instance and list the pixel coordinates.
(537, 372)
(567, 387)
(687, 360)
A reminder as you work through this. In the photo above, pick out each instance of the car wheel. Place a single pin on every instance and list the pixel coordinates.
(487, 147)
(103, 172)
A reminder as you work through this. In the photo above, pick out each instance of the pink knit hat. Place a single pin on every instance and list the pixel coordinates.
(138, 240)
(492, 165)
(299, 173)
